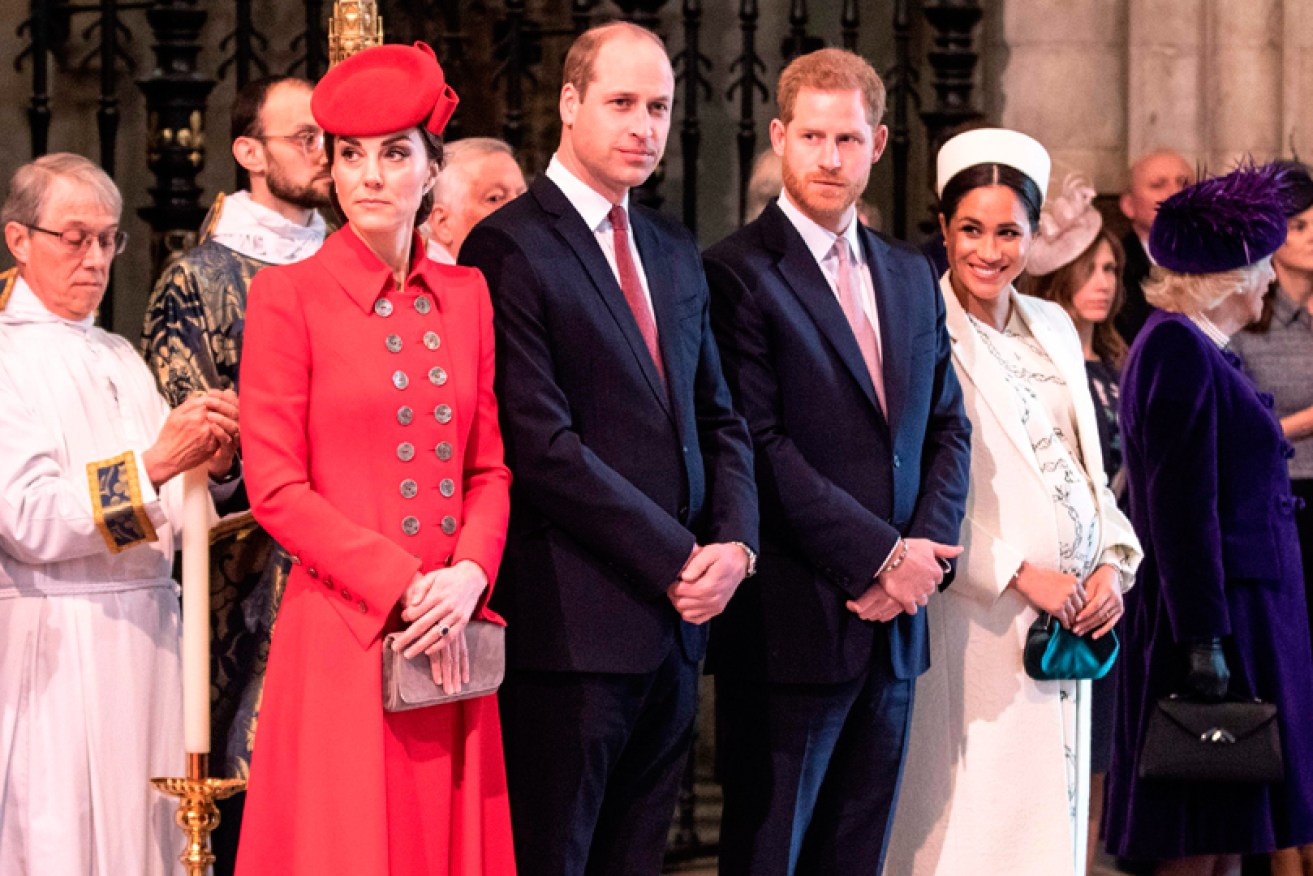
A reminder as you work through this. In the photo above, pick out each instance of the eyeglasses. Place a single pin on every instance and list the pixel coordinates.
(77, 241)
(310, 142)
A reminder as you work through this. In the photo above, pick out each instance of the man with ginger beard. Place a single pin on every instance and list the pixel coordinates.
(835, 350)
(633, 511)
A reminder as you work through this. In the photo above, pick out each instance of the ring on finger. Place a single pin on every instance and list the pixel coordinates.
(443, 630)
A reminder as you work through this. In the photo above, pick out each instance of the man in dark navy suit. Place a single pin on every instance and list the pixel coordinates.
(634, 512)
(835, 349)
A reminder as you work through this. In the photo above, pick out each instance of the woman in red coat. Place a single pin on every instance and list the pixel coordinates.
(374, 457)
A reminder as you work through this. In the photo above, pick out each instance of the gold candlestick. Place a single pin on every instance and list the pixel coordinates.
(354, 25)
(197, 814)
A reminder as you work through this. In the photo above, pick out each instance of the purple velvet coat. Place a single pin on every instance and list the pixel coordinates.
(1210, 500)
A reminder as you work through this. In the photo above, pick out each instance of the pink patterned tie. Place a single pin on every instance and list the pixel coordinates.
(632, 286)
(849, 283)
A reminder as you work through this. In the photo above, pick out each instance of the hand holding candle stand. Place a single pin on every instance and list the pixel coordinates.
(206, 455)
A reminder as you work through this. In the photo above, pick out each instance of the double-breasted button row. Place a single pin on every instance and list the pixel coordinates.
(438, 376)
(383, 306)
(410, 525)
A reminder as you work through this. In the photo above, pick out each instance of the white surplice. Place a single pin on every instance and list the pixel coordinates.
(90, 678)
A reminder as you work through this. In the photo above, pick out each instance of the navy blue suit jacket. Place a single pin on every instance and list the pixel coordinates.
(839, 481)
(613, 478)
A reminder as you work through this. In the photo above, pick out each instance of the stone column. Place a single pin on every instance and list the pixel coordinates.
(1297, 79)
(1059, 70)
(1242, 97)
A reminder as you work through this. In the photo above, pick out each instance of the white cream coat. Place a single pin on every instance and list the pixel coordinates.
(984, 788)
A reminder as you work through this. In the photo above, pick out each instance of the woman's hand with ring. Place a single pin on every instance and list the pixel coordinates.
(1104, 605)
(441, 612)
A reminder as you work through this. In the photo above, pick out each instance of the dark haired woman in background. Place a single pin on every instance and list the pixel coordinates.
(1075, 263)
(373, 455)
(998, 762)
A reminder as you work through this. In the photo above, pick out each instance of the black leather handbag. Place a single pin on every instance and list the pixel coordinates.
(1230, 741)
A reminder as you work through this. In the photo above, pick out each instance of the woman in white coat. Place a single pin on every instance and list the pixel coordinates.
(997, 762)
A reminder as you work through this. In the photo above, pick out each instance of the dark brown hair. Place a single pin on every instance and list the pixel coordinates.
(432, 147)
(1062, 285)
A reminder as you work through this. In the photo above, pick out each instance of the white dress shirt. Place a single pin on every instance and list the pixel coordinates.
(820, 242)
(594, 207)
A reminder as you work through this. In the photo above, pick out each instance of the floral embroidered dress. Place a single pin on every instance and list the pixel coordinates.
(1044, 400)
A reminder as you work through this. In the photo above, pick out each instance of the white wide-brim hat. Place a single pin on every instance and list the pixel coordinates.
(994, 146)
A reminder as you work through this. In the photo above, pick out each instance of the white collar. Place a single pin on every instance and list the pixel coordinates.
(25, 308)
(1209, 328)
(819, 239)
(260, 233)
(589, 203)
(437, 252)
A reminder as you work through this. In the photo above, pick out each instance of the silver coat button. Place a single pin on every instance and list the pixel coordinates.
(410, 526)
(405, 451)
(383, 307)
(400, 380)
(422, 304)
(432, 341)
(447, 488)
(405, 415)
(437, 375)
(443, 451)
(442, 413)
(449, 525)
(394, 343)
(409, 488)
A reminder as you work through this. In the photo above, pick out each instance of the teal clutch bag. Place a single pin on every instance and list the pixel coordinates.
(1055, 653)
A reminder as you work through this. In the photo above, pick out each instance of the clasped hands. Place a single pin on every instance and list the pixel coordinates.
(904, 586)
(437, 606)
(1082, 607)
(203, 430)
(709, 578)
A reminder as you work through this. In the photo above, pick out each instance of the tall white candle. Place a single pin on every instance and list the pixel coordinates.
(196, 611)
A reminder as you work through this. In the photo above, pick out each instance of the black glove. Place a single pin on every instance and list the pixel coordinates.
(1206, 673)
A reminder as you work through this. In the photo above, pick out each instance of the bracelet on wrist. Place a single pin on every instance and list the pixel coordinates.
(752, 558)
(895, 559)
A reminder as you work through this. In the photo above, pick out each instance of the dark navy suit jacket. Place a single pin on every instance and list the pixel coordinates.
(613, 478)
(839, 480)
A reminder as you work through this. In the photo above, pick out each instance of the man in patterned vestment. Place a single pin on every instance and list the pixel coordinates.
(192, 339)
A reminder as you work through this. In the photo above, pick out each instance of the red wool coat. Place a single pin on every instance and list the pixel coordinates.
(372, 451)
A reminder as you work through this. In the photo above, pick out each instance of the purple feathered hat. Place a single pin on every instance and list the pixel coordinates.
(1222, 223)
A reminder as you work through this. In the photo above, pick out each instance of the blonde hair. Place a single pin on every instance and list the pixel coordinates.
(830, 70)
(1197, 293)
(582, 57)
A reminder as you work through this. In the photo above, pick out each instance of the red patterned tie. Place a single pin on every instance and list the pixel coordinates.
(632, 286)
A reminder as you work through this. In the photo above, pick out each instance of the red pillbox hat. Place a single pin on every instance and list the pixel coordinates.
(382, 90)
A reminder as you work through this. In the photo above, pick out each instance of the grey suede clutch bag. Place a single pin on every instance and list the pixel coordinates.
(408, 684)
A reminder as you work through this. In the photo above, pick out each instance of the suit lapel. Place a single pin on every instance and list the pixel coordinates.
(1070, 364)
(570, 225)
(976, 365)
(659, 270)
(890, 304)
(808, 283)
